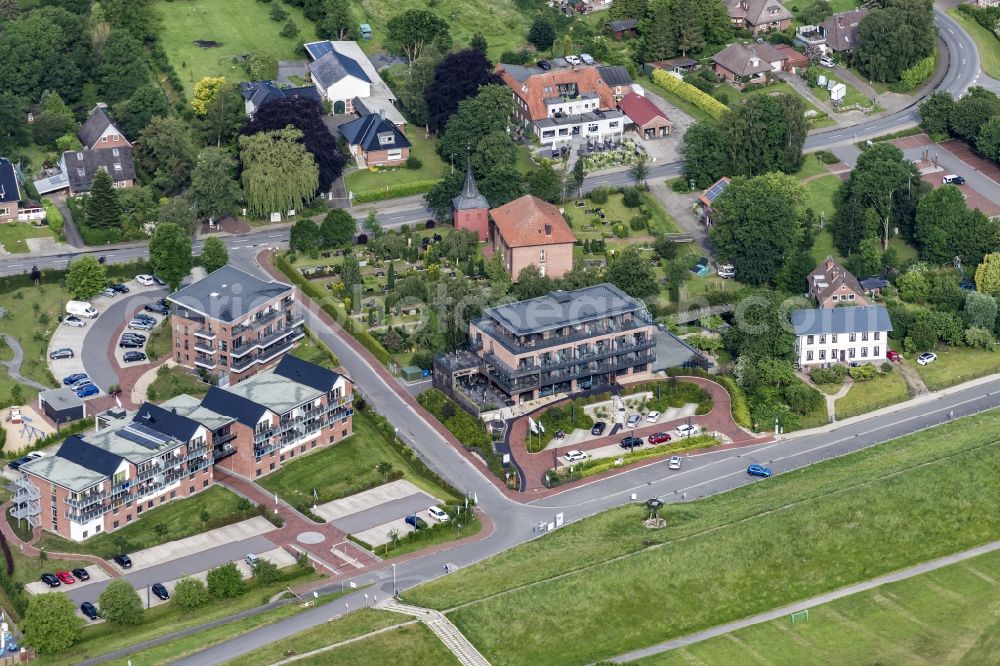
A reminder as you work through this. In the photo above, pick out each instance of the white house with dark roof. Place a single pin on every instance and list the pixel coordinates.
(345, 76)
(841, 335)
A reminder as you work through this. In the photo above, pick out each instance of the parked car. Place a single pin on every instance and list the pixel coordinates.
(120, 288)
(81, 574)
(134, 336)
(69, 380)
(953, 179)
(685, 430)
(158, 308)
(652, 417)
(50, 580)
(926, 358)
(544, 65)
(74, 321)
(659, 438)
(827, 61)
(139, 325)
(133, 357)
(129, 343)
(144, 280)
(587, 58)
(727, 271)
(416, 522)
(575, 456)
(631, 442)
(81, 309)
(573, 60)
(88, 391)
(967, 284)
(65, 577)
(893, 356)
(124, 561)
(142, 316)
(598, 428)
(159, 281)
(159, 590)
(90, 610)
(109, 292)
(633, 421)
(674, 462)
(759, 470)
(62, 352)
(77, 385)
(439, 514)
(251, 559)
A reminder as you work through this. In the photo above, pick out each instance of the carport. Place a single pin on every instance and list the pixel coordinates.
(62, 405)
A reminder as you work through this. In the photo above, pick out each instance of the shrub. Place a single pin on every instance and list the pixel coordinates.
(599, 195)
(225, 582)
(393, 191)
(413, 162)
(631, 198)
(688, 92)
(914, 76)
(679, 185)
(266, 572)
(120, 603)
(739, 406)
(826, 157)
(832, 375)
(190, 593)
(976, 336)
(638, 223)
(864, 373)
(802, 398)
(289, 29)
(887, 368)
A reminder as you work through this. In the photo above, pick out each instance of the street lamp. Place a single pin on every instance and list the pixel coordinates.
(394, 590)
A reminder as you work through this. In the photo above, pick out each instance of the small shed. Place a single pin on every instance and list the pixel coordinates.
(795, 61)
(366, 31)
(623, 27)
(62, 405)
(412, 373)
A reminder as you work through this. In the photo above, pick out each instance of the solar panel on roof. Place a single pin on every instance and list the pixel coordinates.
(318, 49)
(137, 438)
(148, 432)
(715, 190)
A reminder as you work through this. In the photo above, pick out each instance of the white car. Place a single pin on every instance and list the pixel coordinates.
(652, 417)
(587, 58)
(674, 463)
(438, 514)
(633, 421)
(575, 456)
(727, 271)
(573, 60)
(145, 280)
(73, 320)
(926, 358)
(685, 430)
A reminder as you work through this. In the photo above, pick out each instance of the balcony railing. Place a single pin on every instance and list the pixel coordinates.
(87, 500)
(222, 439)
(267, 354)
(259, 320)
(205, 333)
(205, 361)
(246, 345)
(572, 358)
(204, 346)
(504, 338)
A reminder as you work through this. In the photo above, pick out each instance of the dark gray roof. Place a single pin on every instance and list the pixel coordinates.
(95, 125)
(369, 131)
(615, 75)
(245, 411)
(519, 72)
(874, 282)
(841, 320)
(10, 190)
(562, 308)
(312, 375)
(470, 198)
(623, 24)
(166, 422)
(61, 398)
(88, 456)
(333, 66)
(260, 93)
(82, 166)
(227, 294)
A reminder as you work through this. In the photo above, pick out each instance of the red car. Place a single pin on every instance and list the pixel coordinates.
(65, 577)
(659, 438)
(893, 356)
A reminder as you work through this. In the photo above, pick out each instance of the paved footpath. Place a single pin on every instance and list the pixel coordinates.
(784, 611)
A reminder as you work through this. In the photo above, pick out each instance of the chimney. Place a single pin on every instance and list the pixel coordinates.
(381, 114)
(829, 263)
(754, 60)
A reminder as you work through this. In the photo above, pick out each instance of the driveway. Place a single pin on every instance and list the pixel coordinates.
(289, 68)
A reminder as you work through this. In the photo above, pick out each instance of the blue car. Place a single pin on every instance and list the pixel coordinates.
(69, 380)
(759, 470)
(88, 391)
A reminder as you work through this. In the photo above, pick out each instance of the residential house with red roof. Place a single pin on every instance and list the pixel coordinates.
(529, 231)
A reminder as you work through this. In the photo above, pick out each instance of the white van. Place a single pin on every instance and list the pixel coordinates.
(727, 271)
(827, 61)
(81, 309)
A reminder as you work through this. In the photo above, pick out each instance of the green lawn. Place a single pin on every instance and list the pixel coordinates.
(761, 546)
(239, 26)
(820, 196)
(986, 42)
(955, 365)
(811, 166)
(736, 96)
(33, 326)
(412, 645)
(364, 180)
(349, 626)
(180, 518)
(660, 222)
(13, 235)
(313, 350)
(344, 469)
(946, 616)
(160, 342)
(174, 381)
(884, 390)
(100, 639)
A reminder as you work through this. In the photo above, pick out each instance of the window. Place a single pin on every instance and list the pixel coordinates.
(864, 337)
(114, 151)
(877, 334)
(396, 154)
(548, 134)
(864, 352)
(852, 337)
(271, 467)
(104, 139)
(128, 518)
(204, 484)
(115, 525)
(851, 352)
(332, 438)
(809, 355)
(833, 338)
(851, 297)
(613, 123)
(541, 256)
(835, 298)
(173, 494)
(822, 354)
(822, 339)
(258, 472)
(592, 127)
(875, 351)
(810, 339)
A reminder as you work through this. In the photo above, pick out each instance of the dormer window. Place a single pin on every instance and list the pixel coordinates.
(79, 157)
(81, 173)
(386, 139)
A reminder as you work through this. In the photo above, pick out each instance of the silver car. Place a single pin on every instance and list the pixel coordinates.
(633, 421)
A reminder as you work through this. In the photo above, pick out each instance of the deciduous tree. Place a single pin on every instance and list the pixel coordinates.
(120, 603)
(135, 113)
(214, 254)
(541, 34)
(170, 254)
(705, 154)
(935, 112)
(225, 582)
(338, 228)
(279, 174)
(972, 111)
(458, 76)
(632, 273)
(304, 236)
(165, 153)
(893, 37)
(988, 274)
(415, 29)
(178, 210)
(214, 189)
(86, 278)
(122, 68)
(981, 310)
(988, 141)
(411, 91)
(51, 624)
(190, 593)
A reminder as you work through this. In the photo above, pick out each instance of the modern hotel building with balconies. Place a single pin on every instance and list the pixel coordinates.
(234, 324)
(564, 342)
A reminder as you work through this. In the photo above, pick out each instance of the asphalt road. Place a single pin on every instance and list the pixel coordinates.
(102, 371)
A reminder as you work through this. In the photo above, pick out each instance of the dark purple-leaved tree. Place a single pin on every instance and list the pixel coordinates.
(457, 77)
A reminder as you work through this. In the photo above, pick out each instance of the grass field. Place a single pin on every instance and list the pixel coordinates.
(313, 350)
(588, 226)
(160, 342)
(955, 365)
(362, 180)
(349, 626)
(755, 548)
(173, 381)
(411, 645)
(987, 43)
(33, 326)
(820, 195)
(884, 390)
(239, 26)
(180, 518)
(13, 235)
(946, 616)
(344, 469)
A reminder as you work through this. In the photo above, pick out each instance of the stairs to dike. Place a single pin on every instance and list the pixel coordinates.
(442, 627)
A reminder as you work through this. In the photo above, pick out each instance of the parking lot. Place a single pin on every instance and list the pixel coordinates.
(372, 514)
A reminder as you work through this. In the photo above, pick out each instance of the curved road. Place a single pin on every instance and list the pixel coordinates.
(94, 349)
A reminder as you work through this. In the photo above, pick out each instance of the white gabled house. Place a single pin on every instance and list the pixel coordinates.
(825, 336)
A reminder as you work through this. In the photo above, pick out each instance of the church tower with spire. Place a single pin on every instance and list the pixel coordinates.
(471, 209)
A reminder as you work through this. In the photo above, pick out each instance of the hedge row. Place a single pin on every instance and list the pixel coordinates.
(393, 191)
(362, 336)
(470, 431)
(919, 73)
(689, 93)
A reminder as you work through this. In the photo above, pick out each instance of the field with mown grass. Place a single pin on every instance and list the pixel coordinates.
(955, 365)
(14, 235)
(946, 616)
(886, 389)
(742, 552)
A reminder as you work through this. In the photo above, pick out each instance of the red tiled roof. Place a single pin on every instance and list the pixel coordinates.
(794, 58)
(531, 221)
(641, 110)
(532, 89)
